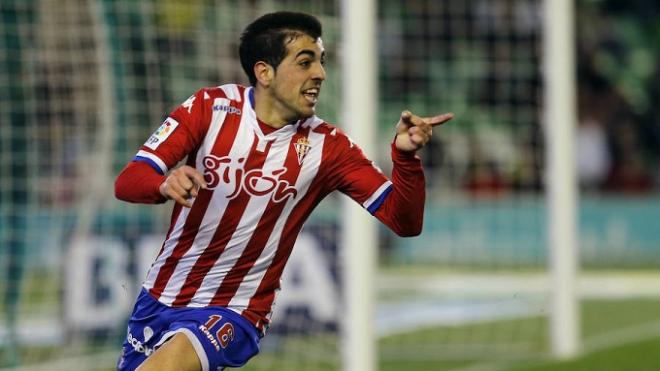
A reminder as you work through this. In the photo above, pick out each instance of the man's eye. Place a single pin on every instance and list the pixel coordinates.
(304, 63)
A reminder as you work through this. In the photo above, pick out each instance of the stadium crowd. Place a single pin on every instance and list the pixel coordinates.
(618, 89)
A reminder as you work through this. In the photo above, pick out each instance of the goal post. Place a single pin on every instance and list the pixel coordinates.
(560, 122)
(359, 237)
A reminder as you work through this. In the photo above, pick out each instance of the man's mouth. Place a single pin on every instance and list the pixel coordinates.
(312, 95)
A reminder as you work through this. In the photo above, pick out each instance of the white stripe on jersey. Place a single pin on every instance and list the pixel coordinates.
(153, 158)
(244, 230)
(242, 144)
(232, 92)
(217, 121)
(168, 248)
(375, 195)
(253, 279)
(312, 122)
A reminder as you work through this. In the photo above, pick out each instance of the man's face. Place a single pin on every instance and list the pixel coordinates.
(298, 78)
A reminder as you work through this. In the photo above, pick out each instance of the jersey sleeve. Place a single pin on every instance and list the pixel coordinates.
(403, 209)
(181, 132)
(356, 176)
(139, 183)
(397, 203)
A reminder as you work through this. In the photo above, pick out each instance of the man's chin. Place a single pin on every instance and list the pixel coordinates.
(307, 113)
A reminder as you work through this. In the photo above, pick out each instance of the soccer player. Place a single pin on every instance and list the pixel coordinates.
(258, 162)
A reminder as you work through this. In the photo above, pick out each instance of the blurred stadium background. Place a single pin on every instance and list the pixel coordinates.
(84, 82)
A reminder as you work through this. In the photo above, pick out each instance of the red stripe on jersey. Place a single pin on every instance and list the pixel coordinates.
(261, 303)
(260, 236)
(177, 207)
(176, 211)
(175, 215)
(221, 147)
(223, 233)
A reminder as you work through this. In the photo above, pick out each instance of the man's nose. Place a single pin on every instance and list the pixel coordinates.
(319, 73)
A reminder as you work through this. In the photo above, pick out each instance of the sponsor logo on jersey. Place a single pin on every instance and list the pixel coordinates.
(230, 174)
(302, 147)
(226, 108)
(162, 133)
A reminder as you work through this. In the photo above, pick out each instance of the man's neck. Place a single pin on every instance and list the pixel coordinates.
(266, 109)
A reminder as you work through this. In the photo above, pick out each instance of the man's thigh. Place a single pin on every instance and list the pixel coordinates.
(177, 354)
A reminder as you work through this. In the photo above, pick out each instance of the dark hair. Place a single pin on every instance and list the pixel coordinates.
(265, 38)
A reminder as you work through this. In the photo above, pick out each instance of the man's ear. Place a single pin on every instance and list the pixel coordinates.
(264, 73)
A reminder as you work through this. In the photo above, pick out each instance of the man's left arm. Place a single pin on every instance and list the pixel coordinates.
(403, 208)
(398, 203)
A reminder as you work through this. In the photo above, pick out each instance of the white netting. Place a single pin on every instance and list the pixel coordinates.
(84, 82)
(461, 289)
(475, 285)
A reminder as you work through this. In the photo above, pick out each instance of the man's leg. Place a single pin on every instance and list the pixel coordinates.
(176, 354)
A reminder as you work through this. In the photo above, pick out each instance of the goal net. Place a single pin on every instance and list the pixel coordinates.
(83, 83)
(474, 290)
(473, 284)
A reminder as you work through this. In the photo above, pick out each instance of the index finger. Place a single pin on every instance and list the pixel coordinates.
(439, 119)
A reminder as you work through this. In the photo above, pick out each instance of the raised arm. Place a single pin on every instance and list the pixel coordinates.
(413, 132)
(403, 209)
(398, 203)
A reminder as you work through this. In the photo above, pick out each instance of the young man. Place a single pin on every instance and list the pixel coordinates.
(258, 162)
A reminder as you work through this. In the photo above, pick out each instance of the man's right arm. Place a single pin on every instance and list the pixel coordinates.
(147, 178)
(139, 183)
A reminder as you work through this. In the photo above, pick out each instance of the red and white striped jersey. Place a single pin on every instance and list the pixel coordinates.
(230, 248)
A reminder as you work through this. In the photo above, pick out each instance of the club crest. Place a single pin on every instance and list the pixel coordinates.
(302, 147)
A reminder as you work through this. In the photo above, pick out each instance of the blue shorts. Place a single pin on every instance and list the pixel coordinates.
(221, 337)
